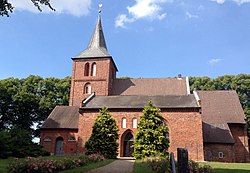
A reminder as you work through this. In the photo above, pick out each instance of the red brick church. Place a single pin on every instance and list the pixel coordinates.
(210, 124)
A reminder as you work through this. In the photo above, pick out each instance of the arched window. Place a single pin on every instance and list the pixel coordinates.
(124, 123)
(93, 69)
(134, 123)
(86, 69)
(87, 88)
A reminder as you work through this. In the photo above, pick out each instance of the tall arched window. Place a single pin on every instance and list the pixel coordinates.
(87, 88)
(93, 69)
(124, 123)
(134, 123)
(86, 69)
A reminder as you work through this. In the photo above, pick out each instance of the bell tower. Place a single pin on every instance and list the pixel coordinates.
(93, 69)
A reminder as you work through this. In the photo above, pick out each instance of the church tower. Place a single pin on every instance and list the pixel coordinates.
(93, 69)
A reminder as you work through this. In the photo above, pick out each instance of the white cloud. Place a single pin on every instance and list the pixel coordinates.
(142, 9)
(239, 2)
(73, 7)
(214, 61)
(219, 1)
(190, 16)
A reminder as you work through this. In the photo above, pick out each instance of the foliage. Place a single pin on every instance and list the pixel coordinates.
(5, 144)
(40, 165)
(6, 7)
(17, 142)
(30, 100)
(240, 83)
(151, 137)
(195, 167)
(152, 165)
(104, 136)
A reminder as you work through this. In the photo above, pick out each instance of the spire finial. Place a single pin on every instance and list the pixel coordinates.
(100, 9)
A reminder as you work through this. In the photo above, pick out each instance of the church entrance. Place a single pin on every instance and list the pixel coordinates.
(59, 146)
(128, 142)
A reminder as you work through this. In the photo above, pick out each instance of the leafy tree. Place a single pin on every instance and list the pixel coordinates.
(6, 7)
(103, 139)
(5, 144)
(151, 138)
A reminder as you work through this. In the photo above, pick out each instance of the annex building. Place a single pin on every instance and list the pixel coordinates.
(210, 124)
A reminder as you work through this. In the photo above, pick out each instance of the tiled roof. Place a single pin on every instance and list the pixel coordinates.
(150, 86)
(219, 109)
(187, 101)
(64, 117)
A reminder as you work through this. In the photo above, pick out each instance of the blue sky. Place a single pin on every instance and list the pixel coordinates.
(147, 38)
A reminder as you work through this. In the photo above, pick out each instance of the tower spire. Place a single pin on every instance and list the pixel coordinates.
(97, 45)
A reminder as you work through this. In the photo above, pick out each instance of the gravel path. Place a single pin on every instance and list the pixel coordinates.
(118, 166)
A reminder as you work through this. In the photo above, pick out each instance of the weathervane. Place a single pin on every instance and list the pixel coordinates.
(100, 8)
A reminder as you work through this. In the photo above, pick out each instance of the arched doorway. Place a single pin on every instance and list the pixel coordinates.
(128, 142)
(59, 146)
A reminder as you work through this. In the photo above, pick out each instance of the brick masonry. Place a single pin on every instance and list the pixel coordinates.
(182, 133)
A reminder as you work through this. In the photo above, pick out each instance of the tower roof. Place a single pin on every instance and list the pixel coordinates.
(97, 45)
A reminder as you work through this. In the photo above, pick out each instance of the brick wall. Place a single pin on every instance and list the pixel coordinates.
(69, 147)
(211, 152)
(101, 84)
(241, 151)
(185, 128)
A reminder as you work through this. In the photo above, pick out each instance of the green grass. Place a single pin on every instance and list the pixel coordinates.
(141, 167)
(88, 167)
(229, 167)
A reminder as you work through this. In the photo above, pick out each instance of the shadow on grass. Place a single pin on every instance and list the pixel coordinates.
(221, 170)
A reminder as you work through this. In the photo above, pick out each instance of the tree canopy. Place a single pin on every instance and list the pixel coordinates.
(6, 7)
(24, 102)
(103, 139)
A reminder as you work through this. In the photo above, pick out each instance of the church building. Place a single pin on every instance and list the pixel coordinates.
(210, 124)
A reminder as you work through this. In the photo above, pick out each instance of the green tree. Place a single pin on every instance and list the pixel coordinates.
(151, 138)
(6, 7)
(5, 144)
(103, 139)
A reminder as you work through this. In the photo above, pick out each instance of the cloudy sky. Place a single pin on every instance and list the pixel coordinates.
(147, 38)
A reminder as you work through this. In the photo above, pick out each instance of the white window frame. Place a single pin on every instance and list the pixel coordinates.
(93, 69)
(134, 123)
(124, 123)
(221, 155)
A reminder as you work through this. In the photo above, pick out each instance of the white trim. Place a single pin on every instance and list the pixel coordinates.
(197, 98)
(124, 123)
(87, 99)
(134, 123)
(221, 155)
(187, 85)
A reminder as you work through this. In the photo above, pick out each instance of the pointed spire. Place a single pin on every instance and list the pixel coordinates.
(97, 45)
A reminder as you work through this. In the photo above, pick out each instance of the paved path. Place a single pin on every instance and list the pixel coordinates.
(117, 166)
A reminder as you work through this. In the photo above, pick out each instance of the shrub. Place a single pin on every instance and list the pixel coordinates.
(151, 138)
(104, 136)
(95, 157)
(158, 164)
(40, 165)
(194, 167)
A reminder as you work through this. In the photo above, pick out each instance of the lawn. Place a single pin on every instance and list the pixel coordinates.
(229, 167)
(4, 163)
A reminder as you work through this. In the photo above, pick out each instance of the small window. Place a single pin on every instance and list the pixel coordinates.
(93, 69)
(221, 155)
(72, 139)
(47, 139)
(134, 123)
(87, 89)
(124, 123)
(86, 69)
